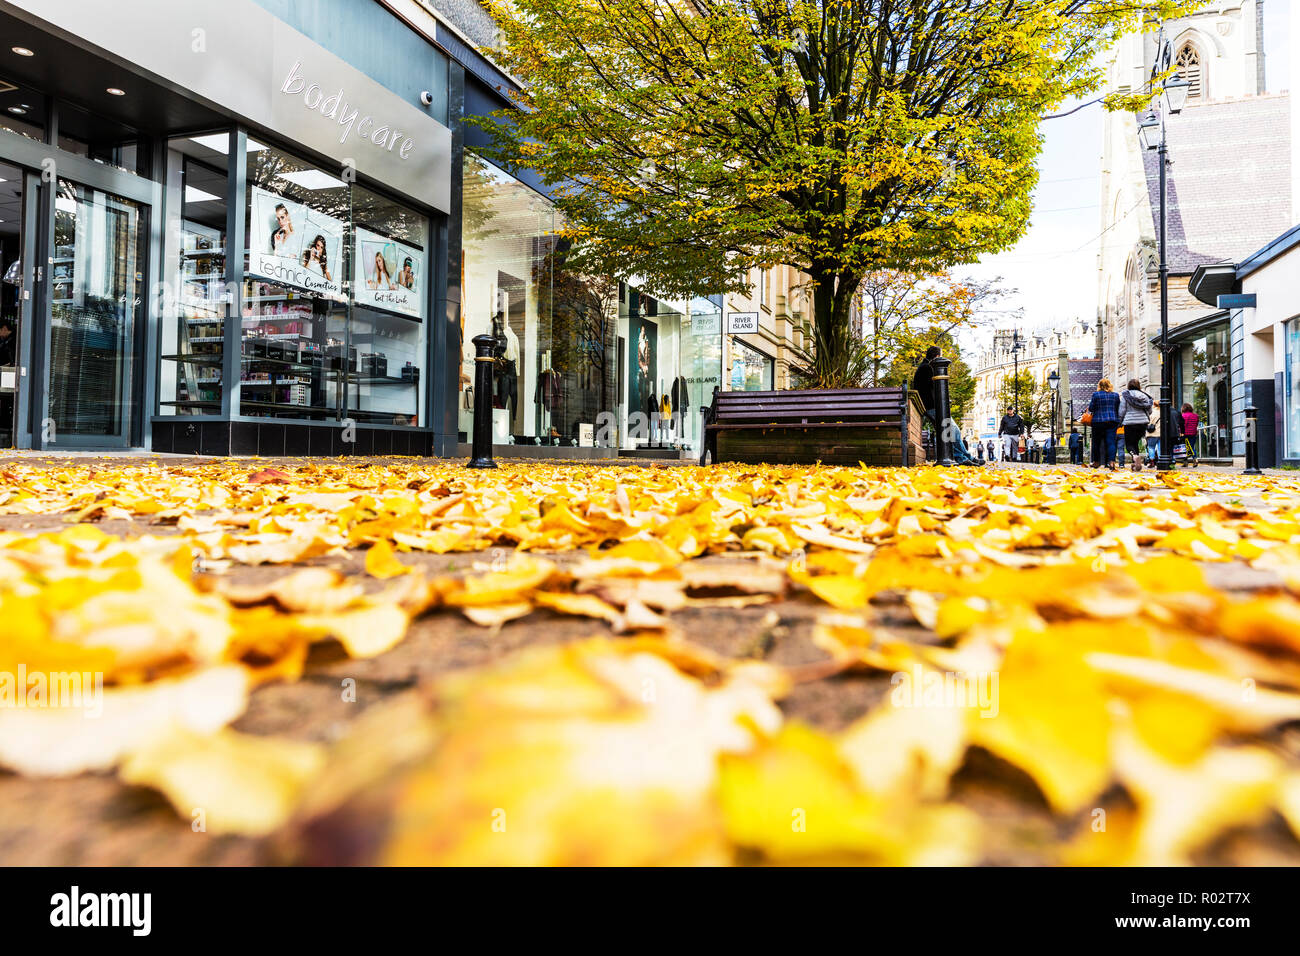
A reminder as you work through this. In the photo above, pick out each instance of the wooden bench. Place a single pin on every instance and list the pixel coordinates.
(875, 426)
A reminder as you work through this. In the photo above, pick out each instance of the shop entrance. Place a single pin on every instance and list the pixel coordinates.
(74, 244)
(96, 295)
(12, 289)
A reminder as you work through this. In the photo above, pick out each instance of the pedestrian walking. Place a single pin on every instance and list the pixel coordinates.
(1191, 429)
(1103, 411)
(979, 451)
(992, 455)
(1009, 430)
(1135, 413)
(1153, 436)
(923, 384)
(1076, 446)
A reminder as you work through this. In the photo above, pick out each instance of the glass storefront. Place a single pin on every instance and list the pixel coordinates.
(555, 379)
(1292, 387)
(94, 306)
(751, 370)
(312, 344)
(506, 290)
(701, 366)
(287, 281)
(193, 303)
(1203, 372)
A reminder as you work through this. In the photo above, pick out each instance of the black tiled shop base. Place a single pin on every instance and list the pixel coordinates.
(275, 439)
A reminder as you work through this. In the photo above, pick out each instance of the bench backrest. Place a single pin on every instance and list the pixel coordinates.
(810, 406)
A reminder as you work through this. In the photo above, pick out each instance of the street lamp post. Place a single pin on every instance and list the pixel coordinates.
(1015, 373)
(1151, 133)
(1054, 380)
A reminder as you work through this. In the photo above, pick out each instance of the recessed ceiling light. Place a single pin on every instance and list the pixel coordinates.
(22, 51)
(116, 92)
(17, 110)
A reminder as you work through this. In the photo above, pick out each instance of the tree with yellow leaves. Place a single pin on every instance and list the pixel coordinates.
(690, 141)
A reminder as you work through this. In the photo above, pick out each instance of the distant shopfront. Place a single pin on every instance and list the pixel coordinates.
(1202, 367)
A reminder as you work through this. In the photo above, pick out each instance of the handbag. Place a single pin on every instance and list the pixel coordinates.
(1086, 418)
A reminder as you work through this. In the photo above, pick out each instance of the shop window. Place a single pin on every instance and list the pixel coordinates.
(751, 370)
(658, 394)
(1204, 372)
(1292, 385)
(22, 110)
(101, 139)
(193, 300)
(701, 366)
(540, 384)
(307, 348)
(389, 303)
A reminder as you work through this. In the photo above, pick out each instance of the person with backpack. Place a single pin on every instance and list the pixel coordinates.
(1153, 437)
(1135, 414)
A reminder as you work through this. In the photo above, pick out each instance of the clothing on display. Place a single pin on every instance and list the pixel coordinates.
(681, 395)
(549, 389)
(507, 386)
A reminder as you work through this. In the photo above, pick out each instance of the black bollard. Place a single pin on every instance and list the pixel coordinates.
(942, 447)
(484, 357)
(1252, 441)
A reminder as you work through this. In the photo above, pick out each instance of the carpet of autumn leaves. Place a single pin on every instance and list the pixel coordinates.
(1086, 613)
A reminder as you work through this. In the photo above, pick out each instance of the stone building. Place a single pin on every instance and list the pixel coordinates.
(1229, 192)
(1038, 352)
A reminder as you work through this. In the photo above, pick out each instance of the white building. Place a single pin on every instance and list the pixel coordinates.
(1037, 352)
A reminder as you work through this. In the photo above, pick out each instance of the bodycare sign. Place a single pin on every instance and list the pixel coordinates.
(256, 68)
(349, 118)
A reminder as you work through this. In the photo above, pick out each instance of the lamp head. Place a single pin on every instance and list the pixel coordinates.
(1149, 130)
(1176, 90)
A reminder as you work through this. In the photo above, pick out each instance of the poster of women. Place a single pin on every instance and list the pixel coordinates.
(387, 274)
(295, 245)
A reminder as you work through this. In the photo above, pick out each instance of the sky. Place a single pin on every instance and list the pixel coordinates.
(1053, 268)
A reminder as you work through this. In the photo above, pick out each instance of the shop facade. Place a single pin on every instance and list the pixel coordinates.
(225, 231)
(1259, 325)
(1201, 355)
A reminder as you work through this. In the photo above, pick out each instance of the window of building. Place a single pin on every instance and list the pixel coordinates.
(334, 299)
(22, 110)
(1292, 385)
(506, 290)
(751, 370)
(1204, 382)
(1188, 65)
(193, 304)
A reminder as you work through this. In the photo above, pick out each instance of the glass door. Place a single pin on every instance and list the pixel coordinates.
(96, 293)
(13, 255)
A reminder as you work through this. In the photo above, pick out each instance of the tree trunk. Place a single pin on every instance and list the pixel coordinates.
(833, 351)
